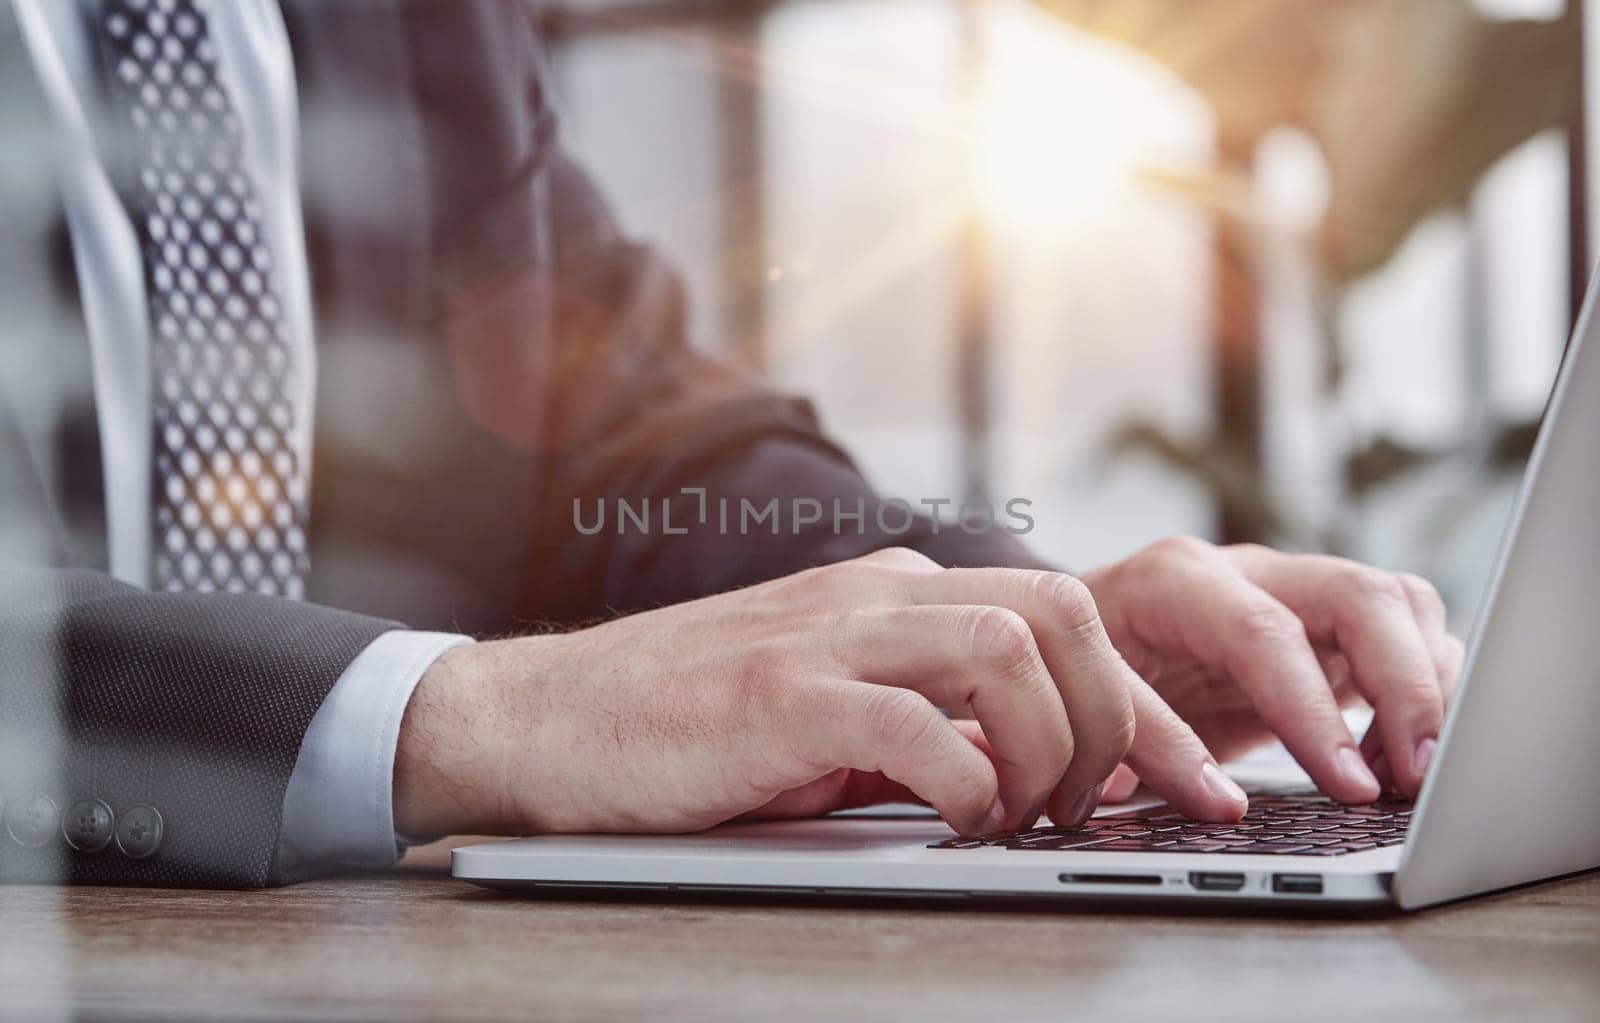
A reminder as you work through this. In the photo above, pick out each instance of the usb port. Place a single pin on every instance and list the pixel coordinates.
(1297, 884)
(1212, 881)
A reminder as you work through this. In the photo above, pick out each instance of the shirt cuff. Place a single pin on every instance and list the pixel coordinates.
(338, 809)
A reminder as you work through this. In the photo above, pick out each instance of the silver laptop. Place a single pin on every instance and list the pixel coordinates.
(1512, 797)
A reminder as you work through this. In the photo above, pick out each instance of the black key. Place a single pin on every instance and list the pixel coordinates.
(1124, 845)
(1039, 834)
(1056, 834)
(1062, 842)
(1353, 833)
(957, 843)
(1047, 832)
(1269, 847)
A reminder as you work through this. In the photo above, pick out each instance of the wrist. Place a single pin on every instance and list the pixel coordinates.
(449, 771)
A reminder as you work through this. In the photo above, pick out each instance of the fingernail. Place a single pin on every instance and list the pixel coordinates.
(1222, 786)
(1083, 809)
(997, 817)
(1355, 770)
(1424, 756)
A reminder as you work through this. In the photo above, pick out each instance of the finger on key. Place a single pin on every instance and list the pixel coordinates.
(1091, 678)
(1368, 614)
(1233, 626)
(979, 656)
(865, 727)
(1175, 764)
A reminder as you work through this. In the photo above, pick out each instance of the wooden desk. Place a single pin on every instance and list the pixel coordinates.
(418, 945)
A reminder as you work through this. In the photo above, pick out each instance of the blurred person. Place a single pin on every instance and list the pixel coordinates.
(346, 237)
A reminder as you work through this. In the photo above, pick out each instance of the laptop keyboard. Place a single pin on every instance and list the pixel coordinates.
(1298, 823)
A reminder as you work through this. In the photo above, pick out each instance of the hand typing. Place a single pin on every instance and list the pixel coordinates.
(820, 691)
(1249, 644)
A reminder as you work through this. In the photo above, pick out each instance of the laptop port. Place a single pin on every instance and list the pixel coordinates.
(1297, 884)
(1139, 879)
(1214, 881)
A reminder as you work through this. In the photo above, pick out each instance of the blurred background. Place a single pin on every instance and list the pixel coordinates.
(1297, 271)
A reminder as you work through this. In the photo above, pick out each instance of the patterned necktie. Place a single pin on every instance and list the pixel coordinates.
(228, 490)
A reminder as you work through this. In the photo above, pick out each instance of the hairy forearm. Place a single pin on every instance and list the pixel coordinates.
(450, 763)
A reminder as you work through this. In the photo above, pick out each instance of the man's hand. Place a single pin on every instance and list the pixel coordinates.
(800, 696)
(1248, 644)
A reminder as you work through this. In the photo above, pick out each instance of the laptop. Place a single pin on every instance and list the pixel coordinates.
(1512, 795)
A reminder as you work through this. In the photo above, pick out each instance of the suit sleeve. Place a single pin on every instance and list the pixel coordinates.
(174, 720)
(569, 341)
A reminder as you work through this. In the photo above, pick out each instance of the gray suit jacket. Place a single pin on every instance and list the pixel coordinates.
(490, 350)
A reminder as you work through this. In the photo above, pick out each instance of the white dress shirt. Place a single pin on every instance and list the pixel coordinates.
(338, 808)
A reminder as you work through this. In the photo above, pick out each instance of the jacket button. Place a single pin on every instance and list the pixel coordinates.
(88, 825)
(32, 822)
(139, 831)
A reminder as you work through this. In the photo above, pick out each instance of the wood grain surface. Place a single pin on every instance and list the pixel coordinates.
(418, 945)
